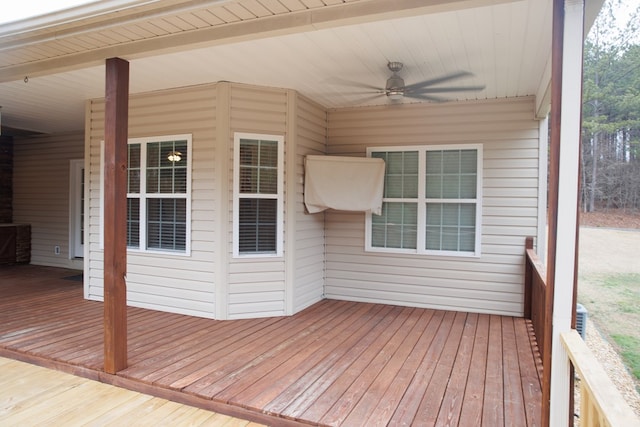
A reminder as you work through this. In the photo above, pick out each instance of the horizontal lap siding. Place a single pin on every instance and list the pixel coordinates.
(256, 286)
(174, 283)
(41, 193)
(492, 283)
(308, 286)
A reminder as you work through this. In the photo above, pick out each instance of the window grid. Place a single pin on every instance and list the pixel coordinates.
(157, 199)
(258, 195)
(447, 200)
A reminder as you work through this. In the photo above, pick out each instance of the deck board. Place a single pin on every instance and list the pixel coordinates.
(31, 395)
(335, 363)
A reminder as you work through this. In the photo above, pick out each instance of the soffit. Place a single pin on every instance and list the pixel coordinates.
(325, 49)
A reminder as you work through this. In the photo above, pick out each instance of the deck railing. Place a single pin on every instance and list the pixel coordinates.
(601, 404)
(537, 301)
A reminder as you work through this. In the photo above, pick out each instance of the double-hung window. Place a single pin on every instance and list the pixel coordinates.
(258, 202)
(158, 188)
(431, 201)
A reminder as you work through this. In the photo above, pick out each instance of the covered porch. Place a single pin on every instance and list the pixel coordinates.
(335, 363)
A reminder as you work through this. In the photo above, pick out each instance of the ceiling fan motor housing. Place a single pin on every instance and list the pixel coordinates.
(395, 87)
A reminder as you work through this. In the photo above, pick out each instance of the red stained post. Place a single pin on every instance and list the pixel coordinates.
(116, 120)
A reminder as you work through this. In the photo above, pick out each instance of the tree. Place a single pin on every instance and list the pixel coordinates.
(611, 113)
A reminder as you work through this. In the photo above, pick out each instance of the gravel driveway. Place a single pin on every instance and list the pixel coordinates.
(607, 251)
(604, 250)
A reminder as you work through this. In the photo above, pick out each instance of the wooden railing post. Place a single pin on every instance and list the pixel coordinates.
(528, 244)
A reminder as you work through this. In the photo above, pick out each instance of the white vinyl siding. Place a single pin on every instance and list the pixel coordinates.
(168, 281)
(431, 202)
(41, 193)
(308, 277)
(490, 283)
(323, 254)
(256, 286)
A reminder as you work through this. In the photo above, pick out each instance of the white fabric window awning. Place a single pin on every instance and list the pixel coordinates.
(343, 183)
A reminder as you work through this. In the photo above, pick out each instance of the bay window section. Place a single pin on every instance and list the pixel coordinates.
(258, 195)
(431, 201)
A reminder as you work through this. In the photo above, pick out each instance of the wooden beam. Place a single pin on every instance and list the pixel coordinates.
(115, 214)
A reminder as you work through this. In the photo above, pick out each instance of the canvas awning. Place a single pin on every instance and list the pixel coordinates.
(343, 183)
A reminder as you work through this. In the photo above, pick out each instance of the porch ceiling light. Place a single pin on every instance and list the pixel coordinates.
(174, 156)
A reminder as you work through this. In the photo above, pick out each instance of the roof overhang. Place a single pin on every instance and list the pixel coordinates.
(328, 50)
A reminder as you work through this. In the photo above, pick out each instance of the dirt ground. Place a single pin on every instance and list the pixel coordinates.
(609, 245)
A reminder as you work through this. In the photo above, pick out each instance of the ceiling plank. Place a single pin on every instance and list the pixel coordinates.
(325, 17)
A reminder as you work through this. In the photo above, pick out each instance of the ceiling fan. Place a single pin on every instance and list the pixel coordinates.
(395, 89)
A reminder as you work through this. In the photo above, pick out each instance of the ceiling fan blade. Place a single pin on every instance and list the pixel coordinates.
(362, 101)
(343, 82)
(437, 80)
(426, 97)
(446, 89)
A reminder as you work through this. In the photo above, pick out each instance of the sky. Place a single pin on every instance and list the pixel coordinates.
(16, 10)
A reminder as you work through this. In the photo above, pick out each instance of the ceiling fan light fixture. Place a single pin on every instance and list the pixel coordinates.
(395, 95)
(174, 156)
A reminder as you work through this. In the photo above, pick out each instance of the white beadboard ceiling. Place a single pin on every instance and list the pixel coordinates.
(505, 44)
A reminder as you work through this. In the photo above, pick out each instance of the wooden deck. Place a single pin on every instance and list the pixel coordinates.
(336, 363)
(35, 396)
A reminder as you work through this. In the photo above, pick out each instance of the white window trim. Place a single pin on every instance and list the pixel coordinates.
(143, 225)
(76, 248)
(422, 201)
(236, 195)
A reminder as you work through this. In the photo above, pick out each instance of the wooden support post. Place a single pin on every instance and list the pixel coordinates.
(566, 101)
(115, 214)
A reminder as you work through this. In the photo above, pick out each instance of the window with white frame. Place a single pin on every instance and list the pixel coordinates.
(431, 201)
(158, 193)
(258, 195)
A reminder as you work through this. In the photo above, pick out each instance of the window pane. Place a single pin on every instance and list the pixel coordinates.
(258, 167)
(468, 187)
(396, 227)
(401, 174)
(467, 239)
(167, 167)
(451, 161)
(434, 214)
(133, 170)
(449, 238)
(268, 183)
(450, 226)
(166, 224)
(451, 187)
(469, 161)
(434, 186)
(133, 223)
(451, 174)
(257, 225)
(468, 215)
(434, 162)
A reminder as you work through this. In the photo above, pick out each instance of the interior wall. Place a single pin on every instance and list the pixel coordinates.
(6, 179)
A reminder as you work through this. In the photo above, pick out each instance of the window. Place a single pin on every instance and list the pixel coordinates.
(158, 188)
(258, 195)
(431, 201)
